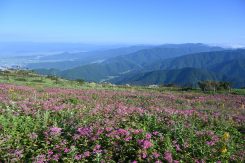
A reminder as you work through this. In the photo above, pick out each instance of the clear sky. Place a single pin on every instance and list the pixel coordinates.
(123, 21)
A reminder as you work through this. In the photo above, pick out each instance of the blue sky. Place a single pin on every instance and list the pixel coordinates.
(123, 21)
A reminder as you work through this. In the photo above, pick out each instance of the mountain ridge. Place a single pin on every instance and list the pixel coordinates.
(212, 63)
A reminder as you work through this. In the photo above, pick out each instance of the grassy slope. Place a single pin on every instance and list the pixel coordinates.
(43, 123)
(37, 81)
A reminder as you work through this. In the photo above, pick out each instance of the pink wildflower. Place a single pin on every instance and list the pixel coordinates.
(155, 133)
(56, 157)
(86, 154)
(66, 150)
(156, 155)
(158, 161)
(86, 131)
(147, 144)
(144, 155)
(148, 136)
(168, 157)
(78, 157)
(55, 131)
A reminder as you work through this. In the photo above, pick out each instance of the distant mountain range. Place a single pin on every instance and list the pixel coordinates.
(181, 64)
(71, 60)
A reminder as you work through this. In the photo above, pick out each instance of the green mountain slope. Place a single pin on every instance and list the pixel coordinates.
(198, 60)
(232, 68)
(98, 72)
(233, 71)
(177, 76)
(150, 56)
(132, 62)
(165, 64)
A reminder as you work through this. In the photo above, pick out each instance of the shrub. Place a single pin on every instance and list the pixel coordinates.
(52, 77)
(20, 79)
(80, 81)
(213, 85)
(38, 81)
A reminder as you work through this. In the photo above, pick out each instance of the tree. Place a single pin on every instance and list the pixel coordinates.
(213, 85)
(80, 81)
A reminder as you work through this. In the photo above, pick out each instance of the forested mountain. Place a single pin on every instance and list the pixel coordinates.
(199, 60)
(185, 76)
(149, 56)
(118, 65)
(180, 64)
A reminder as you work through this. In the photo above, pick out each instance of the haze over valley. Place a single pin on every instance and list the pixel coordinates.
(180, 64)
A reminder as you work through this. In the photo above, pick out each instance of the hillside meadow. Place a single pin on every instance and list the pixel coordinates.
(47, 119)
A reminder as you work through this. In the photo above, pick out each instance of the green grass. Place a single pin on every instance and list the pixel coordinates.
(29, 78)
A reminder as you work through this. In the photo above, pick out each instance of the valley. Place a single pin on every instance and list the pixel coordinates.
(180, 64)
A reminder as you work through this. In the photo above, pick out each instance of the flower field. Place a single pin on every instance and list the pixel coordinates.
(88, 125)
